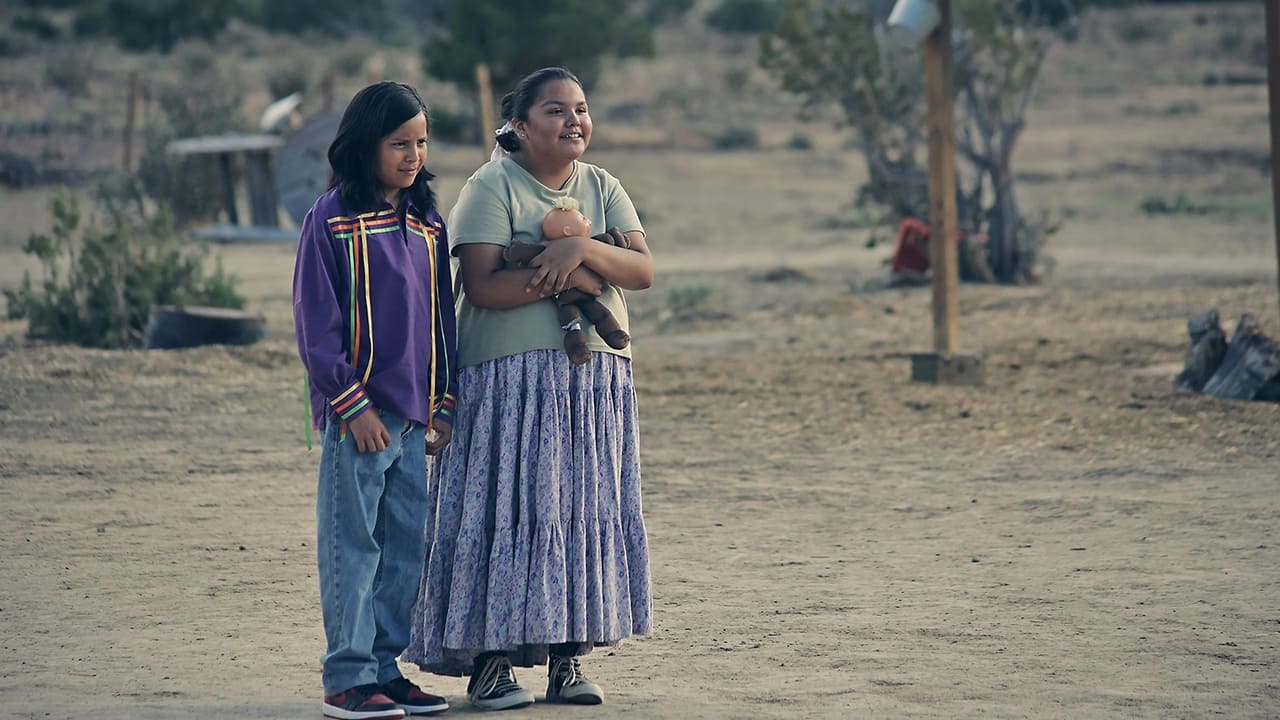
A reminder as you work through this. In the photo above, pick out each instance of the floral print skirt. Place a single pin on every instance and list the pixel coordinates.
(534, 531)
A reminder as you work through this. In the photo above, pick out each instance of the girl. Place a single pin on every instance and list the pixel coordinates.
(373, 310)
(536, 545)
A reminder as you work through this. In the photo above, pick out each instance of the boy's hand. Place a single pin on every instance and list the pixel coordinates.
(369, 432)
(439, 434)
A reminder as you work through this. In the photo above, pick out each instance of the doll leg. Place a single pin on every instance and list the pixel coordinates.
(575, 340)
(606, 324)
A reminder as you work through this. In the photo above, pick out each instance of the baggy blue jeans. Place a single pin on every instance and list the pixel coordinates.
(370, 519)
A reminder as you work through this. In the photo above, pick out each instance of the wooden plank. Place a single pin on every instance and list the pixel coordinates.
(231, 142)
(942, 176)
(242, 234)
(263, 208)
(229, 188)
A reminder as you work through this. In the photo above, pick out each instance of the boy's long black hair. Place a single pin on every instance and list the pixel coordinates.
(353, 156)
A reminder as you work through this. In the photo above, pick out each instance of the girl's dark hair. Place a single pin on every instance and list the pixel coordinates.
(516, 104)
(372, 114)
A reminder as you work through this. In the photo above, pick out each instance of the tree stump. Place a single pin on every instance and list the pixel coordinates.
(1269, 392)
(1250, 366)
(1208, 346)
(173, 326)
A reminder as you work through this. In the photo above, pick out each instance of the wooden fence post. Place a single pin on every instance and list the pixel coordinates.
(131, 121)
(326, 91)
(1273, 93)
(484, 91)
(944, 365)
(942, 177)
(229, 187)
(263, 207)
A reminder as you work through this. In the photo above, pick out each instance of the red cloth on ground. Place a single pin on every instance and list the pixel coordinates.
(911, 252)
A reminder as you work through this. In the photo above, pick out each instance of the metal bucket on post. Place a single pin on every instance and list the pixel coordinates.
(911, 21)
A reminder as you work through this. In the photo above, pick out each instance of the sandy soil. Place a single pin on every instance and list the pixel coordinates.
(829, 539)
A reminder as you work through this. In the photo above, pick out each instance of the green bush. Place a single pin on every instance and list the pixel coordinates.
(15, 44)
(800, 141)
(348, 60)
(51, 4)
(1136, 30)
(736, 137)
(288, 76)
(737, 79)
(667, 11)
(156, 24)
(70, 72)
(688, 301)
(331, 17)
(452, 126)
(743, 16)
(37, 25)
(98, 283)
(576, 34)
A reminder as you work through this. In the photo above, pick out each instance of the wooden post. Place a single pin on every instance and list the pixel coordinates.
(229, 187)
(326, 91)
(484, 91)
(944, 365)
(1273, 94)
(131, 121)
(263, 208)
(942, 177)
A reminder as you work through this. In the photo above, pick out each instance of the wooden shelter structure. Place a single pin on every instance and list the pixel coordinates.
(254, 152)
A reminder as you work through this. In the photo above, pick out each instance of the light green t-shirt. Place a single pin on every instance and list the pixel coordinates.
(502, 203)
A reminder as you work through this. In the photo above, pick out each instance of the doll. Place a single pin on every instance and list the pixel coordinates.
(562, 221)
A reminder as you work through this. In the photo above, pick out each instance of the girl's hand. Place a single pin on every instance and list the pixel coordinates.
(439, 433)
(587, 280)
(555, 265)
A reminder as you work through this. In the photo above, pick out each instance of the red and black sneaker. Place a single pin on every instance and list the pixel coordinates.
(412, 699)
(363, 702)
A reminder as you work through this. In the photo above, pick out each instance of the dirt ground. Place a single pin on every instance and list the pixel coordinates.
(829, 539)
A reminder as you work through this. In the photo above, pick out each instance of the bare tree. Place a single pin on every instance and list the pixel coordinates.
(826, 51)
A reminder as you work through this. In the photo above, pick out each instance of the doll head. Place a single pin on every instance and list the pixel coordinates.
(565, 220)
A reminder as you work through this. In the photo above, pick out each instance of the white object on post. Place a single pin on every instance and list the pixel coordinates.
(280, 114)
(911, 21)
